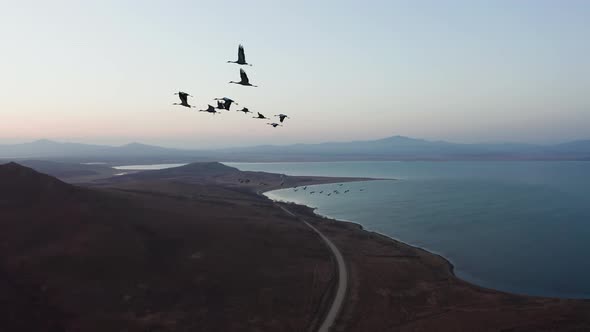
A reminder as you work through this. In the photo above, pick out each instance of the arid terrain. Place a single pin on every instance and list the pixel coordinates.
(175, 257)
(196, 248)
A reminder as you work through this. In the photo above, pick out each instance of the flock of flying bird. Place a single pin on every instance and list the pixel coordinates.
(225, 102)
(326, 192)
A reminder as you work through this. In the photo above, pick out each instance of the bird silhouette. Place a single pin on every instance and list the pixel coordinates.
(260, 116)
(274, 125)
(210, 109)
(241, 57)
(183, 99)
(227, 102)
(347, 190)
(244, 79)
(220, 105)
(245, 110)
(282, 117)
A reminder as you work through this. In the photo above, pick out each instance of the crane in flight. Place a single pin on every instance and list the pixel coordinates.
(274, 126)
(241, 57)
(245, 110)
(220, 105)
(210, 109)
(260, 116)
(244, 79)
(183, 99)
(282, 117)
(227, 102)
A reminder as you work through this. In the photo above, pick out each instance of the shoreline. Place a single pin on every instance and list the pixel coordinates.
(451, 267)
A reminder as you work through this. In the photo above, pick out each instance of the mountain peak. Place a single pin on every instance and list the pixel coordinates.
(134, 144)
(21, 185)
(14, 169)
(400, 138)
(44, 141)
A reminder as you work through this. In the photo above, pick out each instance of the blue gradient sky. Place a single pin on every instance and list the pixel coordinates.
(466, 71)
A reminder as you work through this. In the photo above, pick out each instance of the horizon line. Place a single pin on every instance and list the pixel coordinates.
(57, 141)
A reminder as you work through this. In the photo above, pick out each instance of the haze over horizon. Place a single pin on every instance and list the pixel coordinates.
(397, 138)
(463, 71)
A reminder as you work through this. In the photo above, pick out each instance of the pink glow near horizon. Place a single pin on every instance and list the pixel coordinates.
(458, 71)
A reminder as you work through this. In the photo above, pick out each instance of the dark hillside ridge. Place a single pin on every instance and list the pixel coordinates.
(21, 185)
(199, 170)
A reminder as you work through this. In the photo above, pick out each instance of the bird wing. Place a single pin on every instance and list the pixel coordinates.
(282, 117)
(241, 54)
(210, 108)
(227, 104)
(220, 105)
(244, 77)
(183, 97)
(260, 115)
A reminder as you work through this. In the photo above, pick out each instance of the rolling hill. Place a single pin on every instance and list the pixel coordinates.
(111, 259)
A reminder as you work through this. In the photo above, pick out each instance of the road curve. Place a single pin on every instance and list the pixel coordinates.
(342, 275)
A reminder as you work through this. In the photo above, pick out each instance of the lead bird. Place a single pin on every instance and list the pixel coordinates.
(260, 116)
(210, 109)
(282, 117)
(274, 126)
(227, 102)
(241, 57)
(183, 99)
(244, 79)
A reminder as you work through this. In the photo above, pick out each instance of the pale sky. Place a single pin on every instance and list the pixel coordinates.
(465, 71)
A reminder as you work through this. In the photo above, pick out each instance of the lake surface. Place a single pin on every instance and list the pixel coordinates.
(522, 227)
(151, 167)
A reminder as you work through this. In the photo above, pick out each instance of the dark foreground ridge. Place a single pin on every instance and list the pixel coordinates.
(163, 257)
(23, 185)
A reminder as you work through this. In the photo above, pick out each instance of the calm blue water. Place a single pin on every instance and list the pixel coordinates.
(522, 227)
(150, 167)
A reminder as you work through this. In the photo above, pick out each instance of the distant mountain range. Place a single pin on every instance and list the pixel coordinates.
(51, 149)
(391, 148)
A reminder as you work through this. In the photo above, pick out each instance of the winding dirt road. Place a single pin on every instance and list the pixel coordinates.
(342, 276)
